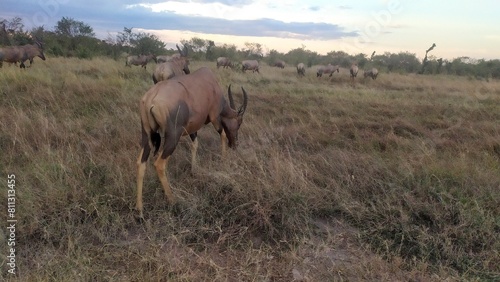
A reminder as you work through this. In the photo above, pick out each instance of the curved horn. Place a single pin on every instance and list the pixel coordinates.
(243, 107)
(185, 50)
(231, 101)
(180, 52)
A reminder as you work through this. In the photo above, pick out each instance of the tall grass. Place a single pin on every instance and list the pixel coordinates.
(392, 179)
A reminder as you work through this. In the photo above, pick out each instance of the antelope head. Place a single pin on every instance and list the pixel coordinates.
(184, 54)
(231, 123)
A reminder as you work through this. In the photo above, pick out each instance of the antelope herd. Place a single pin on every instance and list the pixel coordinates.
(181, 103)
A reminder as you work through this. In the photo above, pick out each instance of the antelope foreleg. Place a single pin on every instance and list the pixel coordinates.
(160, 165)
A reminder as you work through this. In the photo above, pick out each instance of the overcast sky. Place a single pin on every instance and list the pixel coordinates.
(459, 28)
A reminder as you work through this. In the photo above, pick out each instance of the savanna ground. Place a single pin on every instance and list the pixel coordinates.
(396, 179)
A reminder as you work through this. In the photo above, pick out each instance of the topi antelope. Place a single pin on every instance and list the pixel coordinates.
(224, 62)
(181, 106)
(280, 64)
(141, 60)
(354, 72)
(301, 69)
(373, 73)
(327, 69)
(14, 54)
(252, 65)
(177, 65)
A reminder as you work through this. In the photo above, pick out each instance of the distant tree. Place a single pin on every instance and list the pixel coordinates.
(145, 43)
(301, 55)
(125, 37)
(253, 50)
(210, 50)
(12, 33)
(425, 61)
(72, 28)
(272, 56)
(140, 42)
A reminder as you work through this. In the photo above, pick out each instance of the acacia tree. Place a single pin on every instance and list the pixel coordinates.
(140, 43)
(72, 28)
(12, 32)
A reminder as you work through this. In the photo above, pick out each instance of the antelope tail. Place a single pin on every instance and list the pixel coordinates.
(155, 136)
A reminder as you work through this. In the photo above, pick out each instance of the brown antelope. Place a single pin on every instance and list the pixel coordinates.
(141, 60)
(177, 65)
(165, 58)
(301, 69)
(327, 69)
(354, 72)
(279, 64)
(252, 65)
(224, 62)
(14, 54)
(373, 73)
(181, 106)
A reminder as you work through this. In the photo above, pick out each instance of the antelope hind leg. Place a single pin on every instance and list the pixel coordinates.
(160, 165)
(141, 169)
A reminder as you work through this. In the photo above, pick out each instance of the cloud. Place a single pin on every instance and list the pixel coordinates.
(113, 15)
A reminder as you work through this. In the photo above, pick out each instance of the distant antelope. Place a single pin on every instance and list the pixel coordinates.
(141, 60)
(252, 65)
(280, 64)
(301, 69)
(224, 62)
(176, 66)
(14, 54)
(354, 72)
(373, 73)
(181, 106)
(327, 69)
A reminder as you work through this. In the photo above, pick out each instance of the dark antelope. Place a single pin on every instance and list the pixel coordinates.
(181, 106)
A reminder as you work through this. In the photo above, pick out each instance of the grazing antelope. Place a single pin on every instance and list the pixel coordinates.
(327, 69)
(176, 66)
(301, 69)
(224, 62)
(181, 106)
(279, 64)
(373, 73)
(141, 60)
(252, 65)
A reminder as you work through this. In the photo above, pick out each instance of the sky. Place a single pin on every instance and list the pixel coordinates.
(458, 28)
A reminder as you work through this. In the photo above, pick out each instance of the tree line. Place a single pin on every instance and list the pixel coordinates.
(73, 38)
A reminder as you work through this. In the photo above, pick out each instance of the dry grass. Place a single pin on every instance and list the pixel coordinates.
(395, 179)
